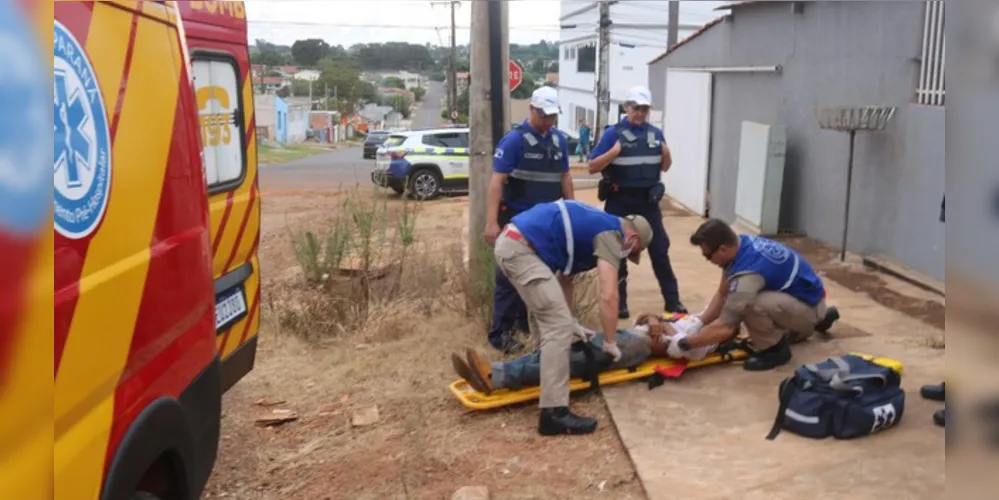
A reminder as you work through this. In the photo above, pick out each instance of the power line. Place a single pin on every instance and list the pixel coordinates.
(392, 26)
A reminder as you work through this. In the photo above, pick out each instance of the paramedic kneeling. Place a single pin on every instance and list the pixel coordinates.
(631, 156)
(765, 285)
(566, 238)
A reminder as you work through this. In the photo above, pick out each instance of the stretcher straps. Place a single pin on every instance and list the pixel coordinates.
(592, 369)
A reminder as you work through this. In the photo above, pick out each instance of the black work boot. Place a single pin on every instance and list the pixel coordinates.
(623, 313)
(823, 326)
(676, 308)
(933, 392)
(940, 418)
(556, 421)
(769, 358)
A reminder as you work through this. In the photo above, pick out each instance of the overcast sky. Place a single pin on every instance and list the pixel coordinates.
(345, 22)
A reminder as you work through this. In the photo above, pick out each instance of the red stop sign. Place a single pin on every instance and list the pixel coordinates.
(516, 75)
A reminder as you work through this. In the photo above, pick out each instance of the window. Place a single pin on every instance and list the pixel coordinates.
(219, 101)
(447, 140)
(931, 89)
(587, 62)
(394, 140)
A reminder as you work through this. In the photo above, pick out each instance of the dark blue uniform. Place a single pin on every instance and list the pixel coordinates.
(783, 270)
(634, 174)
(562, 234)
(534, 164)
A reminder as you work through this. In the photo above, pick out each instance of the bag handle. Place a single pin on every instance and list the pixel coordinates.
(784, 396)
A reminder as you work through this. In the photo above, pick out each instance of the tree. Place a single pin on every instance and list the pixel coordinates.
(308, 52)
(526, 87)
(400, 103)
(418, 93)
(395, 82)
(268, 57)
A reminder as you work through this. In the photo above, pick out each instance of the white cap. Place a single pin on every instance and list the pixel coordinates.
(639, 95)
(545, 98)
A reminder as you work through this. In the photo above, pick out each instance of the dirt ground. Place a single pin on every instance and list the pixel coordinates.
(424, 444)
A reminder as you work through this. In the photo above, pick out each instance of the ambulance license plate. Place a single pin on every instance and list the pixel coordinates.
(230, 307)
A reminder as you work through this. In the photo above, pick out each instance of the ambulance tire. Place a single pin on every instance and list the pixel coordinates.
(142, 495)
(424, 183)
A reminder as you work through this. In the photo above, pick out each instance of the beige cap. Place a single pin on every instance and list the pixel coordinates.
(644, 234)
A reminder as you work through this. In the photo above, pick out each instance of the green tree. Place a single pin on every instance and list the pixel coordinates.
(526, 87)
(418, 93)
(268, 57)
(308, 52)
(394, 82)
(400, 103)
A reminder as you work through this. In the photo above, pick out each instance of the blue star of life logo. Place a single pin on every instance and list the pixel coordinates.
(72, 146)
(25, 195)
(81, 140)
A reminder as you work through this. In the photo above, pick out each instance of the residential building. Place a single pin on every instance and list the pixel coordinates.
(411, 80)
(265, 113)
(777, 63)
(281, 120)
(375, 115)
(307, 74)
(462, 77)
(267, 84)
(632, 46)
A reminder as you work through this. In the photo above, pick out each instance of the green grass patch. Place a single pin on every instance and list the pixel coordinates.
(288, 152)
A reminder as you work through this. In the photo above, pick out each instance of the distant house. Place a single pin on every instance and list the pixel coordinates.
(552, 78)
(307, 74)
(462, 78)
(281, 120)
(375, 115)
(268, 84)
(776, 63)
(410, 80)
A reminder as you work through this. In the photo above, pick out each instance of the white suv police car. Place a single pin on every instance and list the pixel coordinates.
(423, 163)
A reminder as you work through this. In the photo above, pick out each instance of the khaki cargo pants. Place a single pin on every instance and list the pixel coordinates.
(776, 314)
(549, 315)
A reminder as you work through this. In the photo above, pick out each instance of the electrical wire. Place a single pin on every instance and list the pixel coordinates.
(391, 26)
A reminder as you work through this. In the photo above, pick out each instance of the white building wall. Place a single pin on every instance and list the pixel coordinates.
(630, 51)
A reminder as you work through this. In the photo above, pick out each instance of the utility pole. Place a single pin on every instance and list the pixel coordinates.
(603, 69)
(674, 24)
(454, 62)
(489, 94)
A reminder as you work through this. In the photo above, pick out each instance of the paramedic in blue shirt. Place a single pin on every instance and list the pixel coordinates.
(631, 156)
(530, 166)
(541, 250)
(766, 286)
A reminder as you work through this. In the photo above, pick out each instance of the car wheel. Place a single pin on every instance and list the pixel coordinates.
(424, 184)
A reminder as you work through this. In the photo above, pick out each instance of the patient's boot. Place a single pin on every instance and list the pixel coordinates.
(556, 421)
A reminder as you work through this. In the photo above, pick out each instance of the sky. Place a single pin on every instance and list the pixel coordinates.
(346, 22)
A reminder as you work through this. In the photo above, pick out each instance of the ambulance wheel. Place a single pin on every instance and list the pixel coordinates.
(424, 184)
(142, 495)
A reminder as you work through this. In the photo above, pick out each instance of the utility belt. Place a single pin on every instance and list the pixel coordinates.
(607, 188)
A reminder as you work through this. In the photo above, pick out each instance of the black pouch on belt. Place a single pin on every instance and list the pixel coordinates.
(657, 192)
(604, 189)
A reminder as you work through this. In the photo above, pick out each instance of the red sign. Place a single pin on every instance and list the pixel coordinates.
(516, 75)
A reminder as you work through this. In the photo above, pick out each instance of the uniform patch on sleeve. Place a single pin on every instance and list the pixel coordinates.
(733, 284)
(498, 154)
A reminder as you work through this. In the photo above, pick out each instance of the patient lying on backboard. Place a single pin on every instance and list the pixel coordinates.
(650, 336)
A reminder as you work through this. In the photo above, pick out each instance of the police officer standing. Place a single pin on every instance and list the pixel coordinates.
(531, 166)
(632, 155)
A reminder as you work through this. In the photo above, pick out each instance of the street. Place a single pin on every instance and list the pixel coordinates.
(345, 167)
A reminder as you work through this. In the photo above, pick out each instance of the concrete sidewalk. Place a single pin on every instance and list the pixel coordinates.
(703, 436)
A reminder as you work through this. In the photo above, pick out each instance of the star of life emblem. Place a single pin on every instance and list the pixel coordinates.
(81, 140)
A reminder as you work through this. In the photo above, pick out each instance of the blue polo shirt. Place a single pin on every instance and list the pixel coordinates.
(511, 148)
(609, 136)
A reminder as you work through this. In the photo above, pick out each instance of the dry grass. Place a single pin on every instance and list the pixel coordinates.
(375, 325)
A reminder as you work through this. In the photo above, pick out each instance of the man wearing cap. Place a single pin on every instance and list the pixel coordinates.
(530, 166)
(631, 156)
(541, 250)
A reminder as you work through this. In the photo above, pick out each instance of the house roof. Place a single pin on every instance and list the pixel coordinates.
(692, 36)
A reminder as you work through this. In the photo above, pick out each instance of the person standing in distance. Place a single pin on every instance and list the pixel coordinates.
(530, 166)
(631, 156)
(766, 286)
(541, 250)
(584, 139)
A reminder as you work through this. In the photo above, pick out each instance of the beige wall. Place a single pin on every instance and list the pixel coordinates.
(518, 109)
